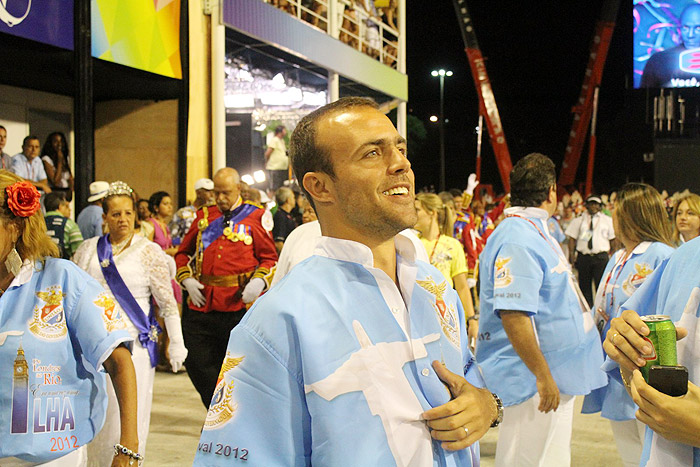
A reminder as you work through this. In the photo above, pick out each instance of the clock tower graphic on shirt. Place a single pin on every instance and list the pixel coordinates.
(20, 392)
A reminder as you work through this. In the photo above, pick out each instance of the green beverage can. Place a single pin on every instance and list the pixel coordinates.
(662, 337)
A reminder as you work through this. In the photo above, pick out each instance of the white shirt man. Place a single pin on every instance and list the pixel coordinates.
(589, 245)
(276, 159)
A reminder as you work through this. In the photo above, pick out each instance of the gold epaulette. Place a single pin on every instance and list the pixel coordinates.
(204, 221)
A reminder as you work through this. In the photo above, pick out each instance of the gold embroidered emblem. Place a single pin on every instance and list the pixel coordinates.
(49, 321)
(636, 278)
(222, 407)
(110, 313)
(447, 315)
(502, 276)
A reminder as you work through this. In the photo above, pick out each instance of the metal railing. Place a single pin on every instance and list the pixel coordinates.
(353, 25)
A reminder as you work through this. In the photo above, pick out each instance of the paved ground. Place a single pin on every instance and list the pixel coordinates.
(178, 414)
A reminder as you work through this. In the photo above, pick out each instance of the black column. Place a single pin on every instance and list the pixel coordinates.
(183, 105)
(83, 105)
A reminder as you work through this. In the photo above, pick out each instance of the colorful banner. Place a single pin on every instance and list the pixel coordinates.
(47, 21)
(143, 34)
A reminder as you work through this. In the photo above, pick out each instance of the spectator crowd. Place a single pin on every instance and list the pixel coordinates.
(340, 318)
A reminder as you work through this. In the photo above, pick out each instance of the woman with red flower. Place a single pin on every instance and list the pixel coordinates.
(59, 331)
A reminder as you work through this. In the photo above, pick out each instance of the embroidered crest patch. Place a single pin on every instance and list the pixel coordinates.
(49, 321)
(111, 314)
(222, 406)
(636, 278)
(502, 276)
(447, 315)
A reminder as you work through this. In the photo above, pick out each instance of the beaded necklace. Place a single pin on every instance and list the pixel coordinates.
(121, 246)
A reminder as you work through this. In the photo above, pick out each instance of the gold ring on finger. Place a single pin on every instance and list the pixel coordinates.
(466, 430)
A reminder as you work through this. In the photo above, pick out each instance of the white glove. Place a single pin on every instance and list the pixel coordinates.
(471, 283)
(193, 287)
(176, 347)
(472, 182)
(253, 290)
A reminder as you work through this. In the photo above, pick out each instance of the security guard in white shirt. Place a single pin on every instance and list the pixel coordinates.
(589, 245)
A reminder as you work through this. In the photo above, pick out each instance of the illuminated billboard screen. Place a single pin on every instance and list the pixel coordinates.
(143, 34)
(666, 44)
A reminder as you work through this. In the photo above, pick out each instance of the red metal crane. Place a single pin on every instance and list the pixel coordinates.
(586, 106)
(487, 101)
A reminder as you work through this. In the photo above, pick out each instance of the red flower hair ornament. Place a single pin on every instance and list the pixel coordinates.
(22, 199)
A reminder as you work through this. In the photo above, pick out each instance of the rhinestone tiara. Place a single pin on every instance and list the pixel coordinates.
(119, 188)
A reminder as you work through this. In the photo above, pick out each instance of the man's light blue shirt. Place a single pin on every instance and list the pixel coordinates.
(33, 170)
(333, 366)
(90, 221)
(523, 268)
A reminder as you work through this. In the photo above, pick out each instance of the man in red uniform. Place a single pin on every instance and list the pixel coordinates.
(223, 263)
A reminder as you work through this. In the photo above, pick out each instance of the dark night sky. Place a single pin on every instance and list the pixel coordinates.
(536, 53)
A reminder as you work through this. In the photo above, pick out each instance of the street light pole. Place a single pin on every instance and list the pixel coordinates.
(441, 73)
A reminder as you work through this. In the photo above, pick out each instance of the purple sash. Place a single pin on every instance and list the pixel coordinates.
(216, 228)
(147, 326)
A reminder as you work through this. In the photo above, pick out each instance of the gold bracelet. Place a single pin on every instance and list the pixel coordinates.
(624, 380)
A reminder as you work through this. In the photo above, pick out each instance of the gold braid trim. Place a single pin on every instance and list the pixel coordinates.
(183, 273)
(267, 277)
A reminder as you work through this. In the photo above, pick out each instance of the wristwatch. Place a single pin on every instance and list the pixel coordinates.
(499, 409)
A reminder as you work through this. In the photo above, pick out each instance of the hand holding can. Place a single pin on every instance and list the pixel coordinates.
(662, 337)
(625, 342)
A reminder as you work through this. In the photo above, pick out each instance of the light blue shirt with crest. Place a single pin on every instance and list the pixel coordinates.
(57, 327)
(332, 366)
(523, 268)
(673, 289)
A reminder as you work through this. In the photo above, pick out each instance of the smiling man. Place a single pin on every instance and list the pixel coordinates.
(677, 66)
(359, 355)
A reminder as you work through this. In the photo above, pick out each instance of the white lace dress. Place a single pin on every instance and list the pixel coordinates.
(146, 273)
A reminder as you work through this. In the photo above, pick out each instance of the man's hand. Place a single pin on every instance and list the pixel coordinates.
(193, 287)
(624, 342)
(674, 418)
(466, 418)
(252, 290)
(549, 394)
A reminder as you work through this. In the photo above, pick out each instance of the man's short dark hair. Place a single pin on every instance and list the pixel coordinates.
(279, 129)
(530, 180)
(3, 128)
(54, 200)
(305, 154)
(29, 138)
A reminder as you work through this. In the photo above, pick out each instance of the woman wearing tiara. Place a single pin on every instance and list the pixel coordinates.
(135, 270)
